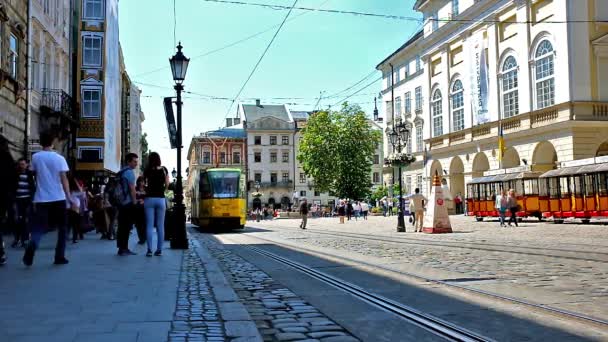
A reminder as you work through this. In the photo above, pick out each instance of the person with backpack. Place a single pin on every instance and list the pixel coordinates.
(157, 180)
(124, 193)
(52, 192)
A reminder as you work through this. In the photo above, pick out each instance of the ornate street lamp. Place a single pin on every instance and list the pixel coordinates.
(398, 136)
(179, 67)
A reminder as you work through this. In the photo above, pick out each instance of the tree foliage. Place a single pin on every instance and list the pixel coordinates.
(336, 151)
(145, 152)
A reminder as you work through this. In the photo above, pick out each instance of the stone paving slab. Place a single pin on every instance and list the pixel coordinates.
(542, 261)
(278, 313)
(98, 296)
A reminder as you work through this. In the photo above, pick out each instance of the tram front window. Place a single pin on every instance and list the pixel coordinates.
(224, 184)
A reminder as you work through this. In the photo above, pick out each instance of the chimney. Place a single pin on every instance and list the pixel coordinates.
(257, 103)
(236, 121)
(228, 122)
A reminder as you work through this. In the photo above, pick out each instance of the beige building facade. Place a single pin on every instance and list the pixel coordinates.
(537, 71)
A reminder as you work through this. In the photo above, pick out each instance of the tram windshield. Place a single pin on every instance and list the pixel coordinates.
(224, 184)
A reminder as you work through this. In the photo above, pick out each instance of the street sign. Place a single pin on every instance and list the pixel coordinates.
(171, 127)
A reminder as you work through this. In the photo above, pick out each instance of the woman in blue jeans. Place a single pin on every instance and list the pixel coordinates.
(157, 180)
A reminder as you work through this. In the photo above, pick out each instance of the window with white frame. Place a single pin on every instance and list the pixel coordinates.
(90, 154)
(408, 184)
(302, 178)
(92, 50)
(13, 56)
(398, 105)
(419, 182)
(457, 106)
(455, 8)
(437, 111)
(398, 75)
(236, 157)
(419, 142)
(91, 103)
(435, 21)
(510, 96)
(206, 157)
(409, 140)
(408, 102)
(93, 9)
(544, 75)
(376, 178)
(418, 95)
(418, 64)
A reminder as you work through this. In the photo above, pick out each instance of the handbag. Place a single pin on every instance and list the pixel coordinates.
(411, 220)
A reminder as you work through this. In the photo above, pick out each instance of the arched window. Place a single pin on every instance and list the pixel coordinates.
(457, 106)
(510, 96)
(436, 109)
(544, 75)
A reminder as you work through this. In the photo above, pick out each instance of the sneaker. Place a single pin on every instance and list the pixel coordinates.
(3, 259)
(158, 253)
(28, 257)
(149, 253)
(61, 261)
(126, 252)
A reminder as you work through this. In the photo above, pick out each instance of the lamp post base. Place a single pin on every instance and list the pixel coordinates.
(400, 222)
(179, 237)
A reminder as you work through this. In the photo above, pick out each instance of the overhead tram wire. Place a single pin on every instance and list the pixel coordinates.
(396, 17)
(236, 42)
(358, 91)
(338, 94)
(259, 60)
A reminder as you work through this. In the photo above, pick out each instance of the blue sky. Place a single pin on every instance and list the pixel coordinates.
(313, 52)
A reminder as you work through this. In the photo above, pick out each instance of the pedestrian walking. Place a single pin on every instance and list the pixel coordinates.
(25, 186)
(513, 207)
(125, 194)
(6, 190)
(418, 200)
(501, 206)
(52, 191)
(341, 211)
(110, 210)
(458, 203)
(364, 210)
(74, 211)
(390, 205)
(349, 209)
(140, 213)
(357, 210)
(155, 205)
(304, 213)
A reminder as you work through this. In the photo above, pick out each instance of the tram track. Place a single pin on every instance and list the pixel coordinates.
(541, 308)
(435, 325)
(428, 243)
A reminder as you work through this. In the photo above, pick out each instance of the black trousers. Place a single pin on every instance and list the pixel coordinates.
(513, 217)
(23, 211)
(126, 219)
(74, 223)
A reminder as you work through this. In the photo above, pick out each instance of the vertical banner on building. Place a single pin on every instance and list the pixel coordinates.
(479, 79)
(112, 96)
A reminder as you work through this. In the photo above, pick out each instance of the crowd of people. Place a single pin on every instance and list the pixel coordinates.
(46, 195)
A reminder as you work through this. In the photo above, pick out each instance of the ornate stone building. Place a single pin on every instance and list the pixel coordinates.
(13, 76)
(534, 70)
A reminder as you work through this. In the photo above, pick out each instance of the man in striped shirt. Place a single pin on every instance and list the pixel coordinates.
(24, 192)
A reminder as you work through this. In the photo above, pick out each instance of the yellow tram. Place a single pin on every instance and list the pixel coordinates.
(482, 191)
(218, 199)
(578, 189)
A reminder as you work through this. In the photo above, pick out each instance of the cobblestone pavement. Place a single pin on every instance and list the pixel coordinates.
(565, 263)
(279, 314)
(196, 317)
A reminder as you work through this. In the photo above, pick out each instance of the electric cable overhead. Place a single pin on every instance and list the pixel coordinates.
(229, 45)
(259, 61)
(338, 94)
(358, 91)
(395, 17)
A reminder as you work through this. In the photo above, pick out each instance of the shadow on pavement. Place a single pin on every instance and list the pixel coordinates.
(365, 322)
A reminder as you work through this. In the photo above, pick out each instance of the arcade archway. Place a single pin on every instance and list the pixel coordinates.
(457, 177)
(480, 164)
(544, 156)
(511, 158)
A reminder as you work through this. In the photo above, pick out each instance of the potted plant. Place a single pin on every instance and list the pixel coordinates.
(399, 159)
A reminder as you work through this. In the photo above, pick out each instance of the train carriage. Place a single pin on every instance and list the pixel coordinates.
(578, 189)
(218, 199)
(482, 191)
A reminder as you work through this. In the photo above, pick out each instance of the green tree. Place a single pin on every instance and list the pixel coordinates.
(336, 151)
(380, 192)
(145, 152)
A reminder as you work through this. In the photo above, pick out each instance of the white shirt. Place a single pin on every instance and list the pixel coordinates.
(417, 201)
(48, 166)
(364, 207)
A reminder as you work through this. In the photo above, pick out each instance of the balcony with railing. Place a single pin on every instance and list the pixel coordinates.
(56, 101)
(560, 113)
